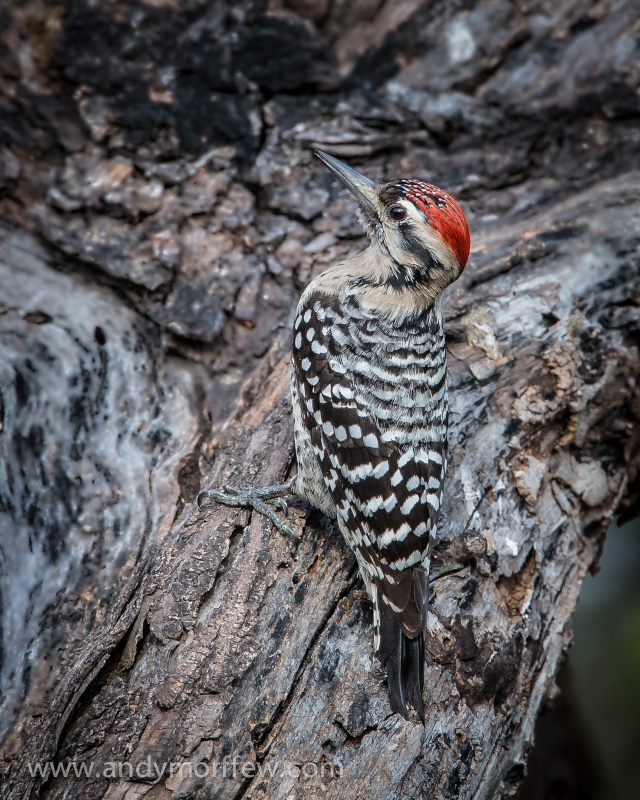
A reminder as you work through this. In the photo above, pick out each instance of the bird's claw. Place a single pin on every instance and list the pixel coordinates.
(281, 503)
(254, 498)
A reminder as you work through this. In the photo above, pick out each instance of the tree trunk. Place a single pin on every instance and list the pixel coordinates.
(161, 212)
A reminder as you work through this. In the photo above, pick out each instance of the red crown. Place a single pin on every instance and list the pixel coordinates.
(443, 214)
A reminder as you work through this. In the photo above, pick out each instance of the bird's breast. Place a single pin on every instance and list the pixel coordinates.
(398, 370)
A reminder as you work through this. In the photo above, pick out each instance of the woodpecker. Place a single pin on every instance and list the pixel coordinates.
(370, 409)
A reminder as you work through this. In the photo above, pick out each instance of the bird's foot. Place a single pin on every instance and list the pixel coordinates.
(256, 499)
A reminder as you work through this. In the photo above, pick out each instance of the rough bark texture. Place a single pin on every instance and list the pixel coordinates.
(161, 211)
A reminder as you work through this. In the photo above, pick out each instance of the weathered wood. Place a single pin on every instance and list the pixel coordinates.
(144, 357)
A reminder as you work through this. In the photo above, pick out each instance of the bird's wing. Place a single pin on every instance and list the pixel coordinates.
(386, 495)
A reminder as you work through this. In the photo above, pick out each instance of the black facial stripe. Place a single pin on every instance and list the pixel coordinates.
(408, 276)
(401, 277)
(412, 244)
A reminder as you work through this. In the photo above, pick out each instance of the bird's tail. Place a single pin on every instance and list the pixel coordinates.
(403, 655)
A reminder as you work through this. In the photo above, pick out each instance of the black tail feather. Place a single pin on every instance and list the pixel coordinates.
(403, 656)
(404, 660)
(391, 654)
(414, 671)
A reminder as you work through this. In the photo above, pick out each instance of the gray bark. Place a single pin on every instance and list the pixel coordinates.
(150, 259)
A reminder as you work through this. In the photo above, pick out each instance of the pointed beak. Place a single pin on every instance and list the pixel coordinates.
(362, 188)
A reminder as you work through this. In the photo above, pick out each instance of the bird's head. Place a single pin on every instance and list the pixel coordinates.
(419, 230)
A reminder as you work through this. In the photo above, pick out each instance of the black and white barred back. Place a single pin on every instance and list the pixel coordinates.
(370, 412)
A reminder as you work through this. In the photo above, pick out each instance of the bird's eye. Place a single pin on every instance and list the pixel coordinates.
(397, 213)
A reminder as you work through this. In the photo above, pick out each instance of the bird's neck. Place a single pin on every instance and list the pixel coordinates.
(382, 285)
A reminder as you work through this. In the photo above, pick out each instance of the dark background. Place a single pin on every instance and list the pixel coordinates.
(588, 738)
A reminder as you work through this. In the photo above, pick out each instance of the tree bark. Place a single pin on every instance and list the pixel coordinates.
(161, 212)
